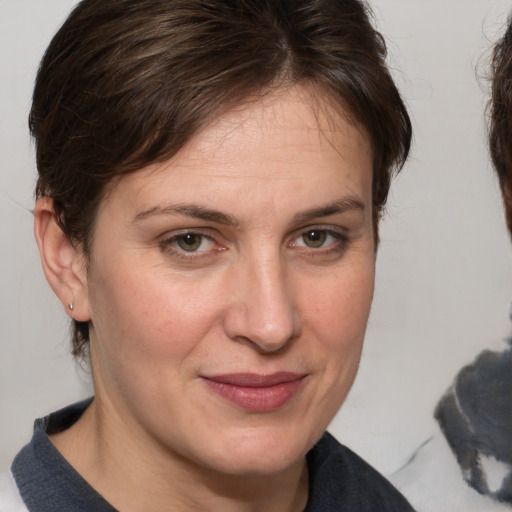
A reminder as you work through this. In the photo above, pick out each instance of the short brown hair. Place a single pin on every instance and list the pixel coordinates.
(500, 125)
(126, 83)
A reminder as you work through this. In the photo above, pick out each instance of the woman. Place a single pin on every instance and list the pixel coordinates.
(211, 175)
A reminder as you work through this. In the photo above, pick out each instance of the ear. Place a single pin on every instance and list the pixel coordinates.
(63, 262)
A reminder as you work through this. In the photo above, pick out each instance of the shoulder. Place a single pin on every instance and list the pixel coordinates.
(341, 480)
(44, 479)
(10, 499)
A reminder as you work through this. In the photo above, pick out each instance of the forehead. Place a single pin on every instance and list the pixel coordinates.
(283, 139)
(298, 118)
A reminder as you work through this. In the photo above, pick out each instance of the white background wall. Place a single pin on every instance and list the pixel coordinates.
(444, 266)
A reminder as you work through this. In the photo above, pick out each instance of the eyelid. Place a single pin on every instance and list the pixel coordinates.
(206, 232)
(336, 231)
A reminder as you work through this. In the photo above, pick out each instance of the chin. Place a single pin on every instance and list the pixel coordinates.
(262, 454)
(259, 465)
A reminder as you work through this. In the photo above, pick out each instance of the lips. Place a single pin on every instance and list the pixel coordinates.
(256, 392)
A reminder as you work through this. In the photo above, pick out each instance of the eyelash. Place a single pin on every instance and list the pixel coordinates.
(341, 241)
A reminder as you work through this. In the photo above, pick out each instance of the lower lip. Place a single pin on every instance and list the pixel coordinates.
(257, 399)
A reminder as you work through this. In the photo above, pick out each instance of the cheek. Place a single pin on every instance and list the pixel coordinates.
(338, 318)
(148, 315)
(340, 305)
(147, 337)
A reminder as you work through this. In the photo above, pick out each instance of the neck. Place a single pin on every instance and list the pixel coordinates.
(136, 474)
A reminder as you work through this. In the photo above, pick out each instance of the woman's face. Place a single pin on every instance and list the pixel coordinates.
(229, 288)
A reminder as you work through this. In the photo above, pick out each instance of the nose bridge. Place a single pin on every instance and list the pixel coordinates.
(263, 310)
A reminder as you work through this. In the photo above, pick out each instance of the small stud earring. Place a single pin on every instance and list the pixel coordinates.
(71, 306)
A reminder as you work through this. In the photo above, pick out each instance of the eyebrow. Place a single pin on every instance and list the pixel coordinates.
(349, 203)
(345, 204)
(189, 210)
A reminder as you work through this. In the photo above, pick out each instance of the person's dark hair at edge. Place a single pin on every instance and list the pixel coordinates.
(127, 83)
(500, 118)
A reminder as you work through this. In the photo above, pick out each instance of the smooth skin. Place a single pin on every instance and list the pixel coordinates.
(251, 251)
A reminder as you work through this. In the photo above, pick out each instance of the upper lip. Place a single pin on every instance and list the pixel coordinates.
(255, 380)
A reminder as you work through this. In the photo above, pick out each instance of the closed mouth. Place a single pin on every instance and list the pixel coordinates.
(256, 392)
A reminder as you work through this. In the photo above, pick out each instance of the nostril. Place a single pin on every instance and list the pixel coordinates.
(265, 347)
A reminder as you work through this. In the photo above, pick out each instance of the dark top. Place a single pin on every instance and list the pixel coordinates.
(339, 480)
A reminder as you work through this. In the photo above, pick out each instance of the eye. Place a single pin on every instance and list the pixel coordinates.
(192, 242)
(314, 238)
(317, 238)
(188, 242)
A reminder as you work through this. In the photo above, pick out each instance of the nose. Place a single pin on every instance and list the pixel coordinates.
(262, 310)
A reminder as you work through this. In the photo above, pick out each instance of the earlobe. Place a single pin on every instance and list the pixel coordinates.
(63, 262)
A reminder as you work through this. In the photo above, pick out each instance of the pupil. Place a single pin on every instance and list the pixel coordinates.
(189, 242)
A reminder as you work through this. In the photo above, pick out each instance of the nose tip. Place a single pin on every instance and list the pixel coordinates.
(263, 312)
(267, 336)
(270, 335)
